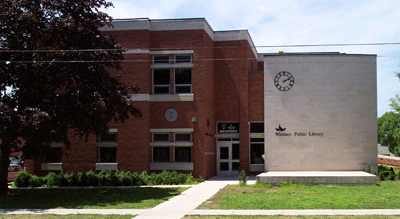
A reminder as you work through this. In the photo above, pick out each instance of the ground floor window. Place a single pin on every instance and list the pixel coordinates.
(160, 154)
(183, 154)
(107, 154)
(52, 155)
(256, 150)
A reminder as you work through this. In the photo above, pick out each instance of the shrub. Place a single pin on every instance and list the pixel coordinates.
(144, 176)
(72, 179)
(370, 170)
(35, 181)
(52, 179)
(63, 181)
(243, 178)
(82, 179)
(386, 175)
(124, 178)
(22, 179)
(91, 179)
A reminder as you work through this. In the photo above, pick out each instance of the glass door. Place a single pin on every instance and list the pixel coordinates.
(228, 162)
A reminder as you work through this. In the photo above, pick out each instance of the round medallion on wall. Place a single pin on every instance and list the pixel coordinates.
(171, 115)
(284, 81)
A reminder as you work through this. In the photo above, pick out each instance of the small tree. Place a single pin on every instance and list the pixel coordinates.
(54, 75)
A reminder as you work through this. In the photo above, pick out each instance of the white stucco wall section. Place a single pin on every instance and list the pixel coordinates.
(332, 94)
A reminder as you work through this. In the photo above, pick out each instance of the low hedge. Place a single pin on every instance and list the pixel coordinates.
(388, 173)
(104, 178)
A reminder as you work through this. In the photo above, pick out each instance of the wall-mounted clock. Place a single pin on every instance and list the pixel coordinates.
(284, 81)
(171, 115)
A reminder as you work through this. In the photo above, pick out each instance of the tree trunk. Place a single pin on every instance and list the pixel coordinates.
(4, 164)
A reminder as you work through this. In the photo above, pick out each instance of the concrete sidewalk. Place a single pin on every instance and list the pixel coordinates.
(187, 202)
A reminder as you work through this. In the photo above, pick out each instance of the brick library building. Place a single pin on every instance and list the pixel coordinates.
(212, 105)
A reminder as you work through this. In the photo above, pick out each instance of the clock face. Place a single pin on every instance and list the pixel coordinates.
(171, 115)
(284, 81)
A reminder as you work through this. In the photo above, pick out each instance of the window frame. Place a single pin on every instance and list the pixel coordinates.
(183, 133)
(190, 154)
(103, 147)
(160, 133)
(251, 152)
(162, 85)
(183, 85)
(190, 55)
(158, 63)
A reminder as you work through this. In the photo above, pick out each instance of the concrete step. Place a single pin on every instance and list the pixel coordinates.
(318, 177)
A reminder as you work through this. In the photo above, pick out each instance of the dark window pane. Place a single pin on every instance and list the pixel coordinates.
(223, 153)
(161, 137)
(235, 151)
(161, 59)
(183, 137)
(183, 154)
(52, 155)
(257, 127)
(160, 154)
(108, 154)
(161, 76)
(235, 139)
(256, 139)
(183, 76)
(235, 166)
(183, 89)
(256, 151)
(224, 166)
(108, 137)
(224, 139)
(183, 58)
(161, 90)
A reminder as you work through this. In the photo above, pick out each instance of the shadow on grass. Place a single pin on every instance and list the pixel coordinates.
(109, 198)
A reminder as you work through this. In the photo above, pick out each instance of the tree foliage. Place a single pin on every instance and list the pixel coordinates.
(389, 131)
(54, 74)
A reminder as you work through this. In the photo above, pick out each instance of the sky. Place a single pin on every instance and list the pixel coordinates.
(296, 22)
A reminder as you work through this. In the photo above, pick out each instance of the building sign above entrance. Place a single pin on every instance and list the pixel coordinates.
(228, 127)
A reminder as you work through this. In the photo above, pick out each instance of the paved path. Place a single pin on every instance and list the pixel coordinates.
(187, 202)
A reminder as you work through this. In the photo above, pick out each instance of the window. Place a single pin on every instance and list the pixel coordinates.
(107, 154)
(161, 81)
(160, 154)
(257, 127)
(160, 136)
(183, 58)
(52, 155)
(161, 59)
(184, 137)
(179, 73)
(183, 154)
(183, 80)
(256, 150)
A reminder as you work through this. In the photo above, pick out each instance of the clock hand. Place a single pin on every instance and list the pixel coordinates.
(286, 79)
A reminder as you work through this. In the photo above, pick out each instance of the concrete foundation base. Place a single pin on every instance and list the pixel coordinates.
(318, 177)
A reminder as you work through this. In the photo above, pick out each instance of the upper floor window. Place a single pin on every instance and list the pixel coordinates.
(161, 59)
(183, 59)
(172, 78)
(183, 80)
(161, 137)
(183, 137)
(161, 81)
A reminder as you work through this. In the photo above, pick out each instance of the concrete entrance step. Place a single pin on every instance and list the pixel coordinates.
(318, 177)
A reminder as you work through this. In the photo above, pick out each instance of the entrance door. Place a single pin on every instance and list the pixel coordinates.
(228, 162)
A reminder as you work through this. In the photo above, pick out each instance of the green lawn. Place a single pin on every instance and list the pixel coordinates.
(293, 217)
(106, 198)
(386, 195)
(69, 216)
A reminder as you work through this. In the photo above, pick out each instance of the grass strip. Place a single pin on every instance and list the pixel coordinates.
(385, 195)
(96, 198)
(293, 217)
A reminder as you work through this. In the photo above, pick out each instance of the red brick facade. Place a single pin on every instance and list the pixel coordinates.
(226, 86)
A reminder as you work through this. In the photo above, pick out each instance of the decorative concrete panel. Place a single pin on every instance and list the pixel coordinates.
(323, 115)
